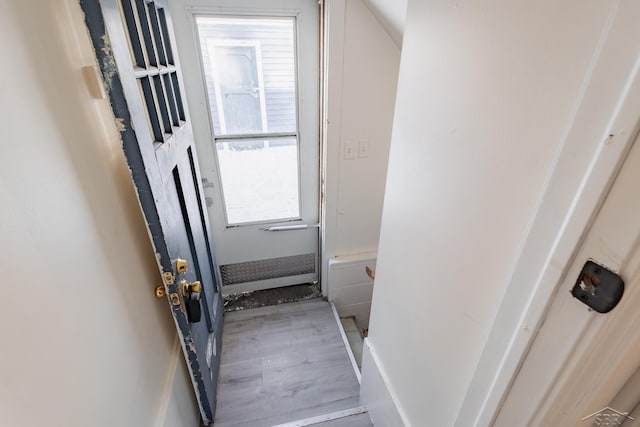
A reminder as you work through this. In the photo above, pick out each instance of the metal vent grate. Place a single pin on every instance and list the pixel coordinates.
(266, 269)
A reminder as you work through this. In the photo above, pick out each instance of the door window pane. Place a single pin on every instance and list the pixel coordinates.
(249, 67)
(259, 179)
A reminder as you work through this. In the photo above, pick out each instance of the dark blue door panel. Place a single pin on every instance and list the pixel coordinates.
(135, 48)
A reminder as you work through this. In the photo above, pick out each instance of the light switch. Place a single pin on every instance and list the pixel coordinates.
(349, 150)
(363, 148)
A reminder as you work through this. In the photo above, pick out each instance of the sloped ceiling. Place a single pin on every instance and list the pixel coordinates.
(391, 14)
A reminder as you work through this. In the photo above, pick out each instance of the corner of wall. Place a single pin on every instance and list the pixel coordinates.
(394, 33)
(377, 393)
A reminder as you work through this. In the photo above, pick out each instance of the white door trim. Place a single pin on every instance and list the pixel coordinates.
(604, 355)
(598, 138)
(577, 362)
(332, 71)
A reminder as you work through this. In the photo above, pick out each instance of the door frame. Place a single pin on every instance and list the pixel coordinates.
(601, 130)
(202, 125)
(592, 354)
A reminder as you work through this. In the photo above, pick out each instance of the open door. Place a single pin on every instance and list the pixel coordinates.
(135, 48)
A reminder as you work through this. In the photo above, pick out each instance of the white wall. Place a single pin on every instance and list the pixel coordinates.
(361, 82)
(181, 406)
(486, 94)
(392, 15)
(85, 342)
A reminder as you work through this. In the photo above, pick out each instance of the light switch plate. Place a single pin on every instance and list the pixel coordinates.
(349, 150)
(363, 148)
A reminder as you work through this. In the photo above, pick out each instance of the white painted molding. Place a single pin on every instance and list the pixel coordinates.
(377, 393)
(332, 76)
(176, 353)
(598, 137)
(607, 347)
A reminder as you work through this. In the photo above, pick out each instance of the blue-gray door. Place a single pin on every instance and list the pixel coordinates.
(134, 45)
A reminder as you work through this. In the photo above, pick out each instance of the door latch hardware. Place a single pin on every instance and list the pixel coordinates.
(188, 288)
(174, 298)
(168, 277)
(598, 287)
(184, 285)
(160, 291)
(196, 287)
(181, 265)
(191, 293)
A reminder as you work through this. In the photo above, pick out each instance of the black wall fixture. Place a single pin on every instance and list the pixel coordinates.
(598, 287)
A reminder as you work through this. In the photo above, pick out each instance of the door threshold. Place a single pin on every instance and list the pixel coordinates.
(326, 417)
(275, 296)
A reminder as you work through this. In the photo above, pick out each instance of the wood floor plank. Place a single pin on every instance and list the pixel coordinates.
(283, 363)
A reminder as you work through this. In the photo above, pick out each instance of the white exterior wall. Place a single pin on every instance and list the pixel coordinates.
(85, 342)
(486, 95)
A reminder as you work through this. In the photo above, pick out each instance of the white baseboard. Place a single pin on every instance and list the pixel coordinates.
(168, 385)
(376, 392)
(178, 407)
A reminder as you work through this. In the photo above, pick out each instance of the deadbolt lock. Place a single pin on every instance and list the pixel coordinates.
(598, 287)
(181, 265)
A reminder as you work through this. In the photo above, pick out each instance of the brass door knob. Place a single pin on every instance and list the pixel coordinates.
(196, 287)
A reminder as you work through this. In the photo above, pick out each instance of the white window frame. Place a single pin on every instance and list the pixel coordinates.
(222, 139)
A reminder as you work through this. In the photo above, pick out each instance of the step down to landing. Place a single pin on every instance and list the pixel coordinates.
(284, 363)
(355, 338)
(354, 417)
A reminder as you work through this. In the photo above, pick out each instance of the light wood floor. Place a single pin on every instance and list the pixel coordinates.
(284, 363)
